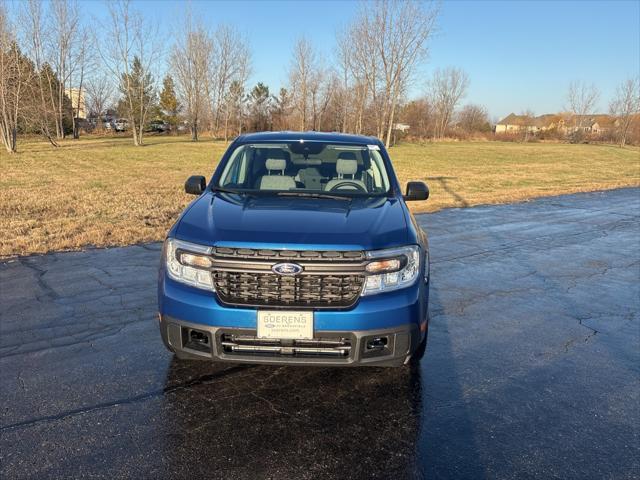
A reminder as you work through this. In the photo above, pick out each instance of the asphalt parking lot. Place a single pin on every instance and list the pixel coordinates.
(532, 366)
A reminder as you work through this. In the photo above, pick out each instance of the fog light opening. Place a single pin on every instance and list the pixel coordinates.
(198, 337)
(196, 340)
(377, 343)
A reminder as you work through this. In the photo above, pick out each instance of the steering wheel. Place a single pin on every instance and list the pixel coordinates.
(347, 183)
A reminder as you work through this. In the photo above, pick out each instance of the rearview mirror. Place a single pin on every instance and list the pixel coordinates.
(195, 185)
(417, 191)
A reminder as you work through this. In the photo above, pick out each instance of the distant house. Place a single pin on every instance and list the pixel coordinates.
(596, 124)
(549, 121)
(513, 123)
(77, 102)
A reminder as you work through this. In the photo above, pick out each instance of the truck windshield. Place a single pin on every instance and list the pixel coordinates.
(313, 167)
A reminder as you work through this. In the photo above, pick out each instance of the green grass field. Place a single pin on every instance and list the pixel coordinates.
(105, 191)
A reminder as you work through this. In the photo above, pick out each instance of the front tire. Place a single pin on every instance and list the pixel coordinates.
(416, 356)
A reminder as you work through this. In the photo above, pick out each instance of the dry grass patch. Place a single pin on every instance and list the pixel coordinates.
(96, 192)
(105, 191)
(461, 174)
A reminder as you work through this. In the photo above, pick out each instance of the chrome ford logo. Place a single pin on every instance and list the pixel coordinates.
(286, 268)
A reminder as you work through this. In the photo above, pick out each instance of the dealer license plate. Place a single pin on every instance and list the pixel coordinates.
(285, 324)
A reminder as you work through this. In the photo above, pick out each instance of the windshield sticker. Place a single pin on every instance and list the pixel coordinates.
(373, 147)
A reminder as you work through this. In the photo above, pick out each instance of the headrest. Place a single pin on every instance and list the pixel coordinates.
(346, 167)
(276, 164)
(347, 156)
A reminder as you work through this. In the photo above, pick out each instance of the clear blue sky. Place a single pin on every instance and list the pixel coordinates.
(518, 55)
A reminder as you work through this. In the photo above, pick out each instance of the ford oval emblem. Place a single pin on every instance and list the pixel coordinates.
(287, 268)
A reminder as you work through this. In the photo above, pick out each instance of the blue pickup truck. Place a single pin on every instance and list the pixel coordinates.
(299, 250)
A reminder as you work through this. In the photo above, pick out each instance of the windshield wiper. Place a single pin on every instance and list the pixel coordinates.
(314, 195)
(231, 190)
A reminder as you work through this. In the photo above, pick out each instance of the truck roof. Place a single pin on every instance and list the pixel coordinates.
(290, 136)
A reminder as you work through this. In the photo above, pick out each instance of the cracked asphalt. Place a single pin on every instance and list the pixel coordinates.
(532, 366)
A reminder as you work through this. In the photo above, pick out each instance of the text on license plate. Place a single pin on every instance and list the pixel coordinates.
(285, 324)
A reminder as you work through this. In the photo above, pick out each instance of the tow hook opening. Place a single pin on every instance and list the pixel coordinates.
(196, 339)
(377, 346)
(377, 343)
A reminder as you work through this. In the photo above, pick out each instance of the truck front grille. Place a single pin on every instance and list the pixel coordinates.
(266, 289)
(328, 280)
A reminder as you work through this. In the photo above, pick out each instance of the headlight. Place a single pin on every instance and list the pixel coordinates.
(188, 263)
(398, 267)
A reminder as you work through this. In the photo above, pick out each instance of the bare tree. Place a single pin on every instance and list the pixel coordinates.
(344, 57)
(304, 78)
(474, 118)
(43, 109)
(234, 95)
(231, 63)
(77, 80)
(360, 91)
(582, 100)
(63, 29)
(191, 62)
(419, 115)
(355, 62)
(625, 106)
(318, 97)
(323, 92)
(446, 89)
(366, 66)
(15, 77)
(99, 92)
(129, 55)
(529, 124)
(390, 38)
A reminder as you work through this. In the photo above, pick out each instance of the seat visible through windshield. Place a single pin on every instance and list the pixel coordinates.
(307, 167)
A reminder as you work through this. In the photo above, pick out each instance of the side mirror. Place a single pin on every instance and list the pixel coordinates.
(417, 191)
(195, 185)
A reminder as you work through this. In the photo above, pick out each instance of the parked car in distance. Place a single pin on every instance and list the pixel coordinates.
(121, 125)
(299, 250)
(158, 126)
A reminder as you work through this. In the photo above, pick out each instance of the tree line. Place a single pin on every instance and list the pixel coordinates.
(50, 60)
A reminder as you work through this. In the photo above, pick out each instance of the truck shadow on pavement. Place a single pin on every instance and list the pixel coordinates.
(443, 181)
(299, 422)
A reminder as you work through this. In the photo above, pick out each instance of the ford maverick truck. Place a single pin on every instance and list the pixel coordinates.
(299, 250)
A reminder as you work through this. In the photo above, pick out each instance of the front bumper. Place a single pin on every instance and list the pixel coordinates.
(400, 316)
(398, 343)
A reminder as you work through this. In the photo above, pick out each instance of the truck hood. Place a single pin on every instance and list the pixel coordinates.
(293, 222)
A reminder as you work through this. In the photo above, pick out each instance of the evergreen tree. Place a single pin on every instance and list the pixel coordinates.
(259, 104)
(169, 104)
(282, 106)
(234, 103)
(138, 97)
